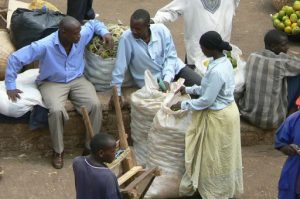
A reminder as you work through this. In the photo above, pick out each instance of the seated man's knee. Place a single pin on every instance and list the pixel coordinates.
(94, 104)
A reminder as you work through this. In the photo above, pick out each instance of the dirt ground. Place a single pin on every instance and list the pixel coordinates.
(30, 176)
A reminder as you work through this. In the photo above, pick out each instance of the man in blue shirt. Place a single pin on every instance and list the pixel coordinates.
(61, 63)
(150, 47)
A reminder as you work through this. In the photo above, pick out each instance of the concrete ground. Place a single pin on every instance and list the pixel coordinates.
(30, 176)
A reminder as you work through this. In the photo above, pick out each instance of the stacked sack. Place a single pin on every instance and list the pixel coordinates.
(145, 103)
(100, 61)
(6, 48)
(166, 144)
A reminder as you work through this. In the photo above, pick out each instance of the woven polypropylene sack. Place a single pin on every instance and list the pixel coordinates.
(6, 48)
(99, 72)
(166, 148)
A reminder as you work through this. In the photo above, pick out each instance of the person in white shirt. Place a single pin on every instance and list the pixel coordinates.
(200, 16)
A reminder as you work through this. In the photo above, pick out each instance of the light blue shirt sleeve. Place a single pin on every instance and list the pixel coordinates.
(210, 93)
(194, 90)
(18, 59)
(171, 64)
(93, 27)
(122, 62)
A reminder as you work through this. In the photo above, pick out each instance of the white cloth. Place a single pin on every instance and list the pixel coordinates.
(198, 20)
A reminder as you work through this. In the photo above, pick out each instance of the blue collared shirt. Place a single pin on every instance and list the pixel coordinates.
(216, 90)
(54, 63)
(159, 56)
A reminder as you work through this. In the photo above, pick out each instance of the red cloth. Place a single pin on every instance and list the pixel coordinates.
(298, 101)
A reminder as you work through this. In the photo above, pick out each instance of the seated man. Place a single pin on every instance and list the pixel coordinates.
(92, 177)
(150, 47)
(61, 63)
(272, 83)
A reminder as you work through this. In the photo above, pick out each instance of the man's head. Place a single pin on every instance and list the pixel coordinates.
(276, 41)
(69, 30)
(140, 23)
(103, 147)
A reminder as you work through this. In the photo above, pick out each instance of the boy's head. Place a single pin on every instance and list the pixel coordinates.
(103, 146)
(276, 41)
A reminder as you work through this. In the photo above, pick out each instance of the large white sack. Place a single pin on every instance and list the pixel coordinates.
(30, 97)
(239, 71)
(145, 103)
(166, 148)
(99, 72)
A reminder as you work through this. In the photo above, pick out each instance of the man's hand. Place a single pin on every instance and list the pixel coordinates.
(181, 90)
(13, 95)
(108, 41)
(112, 104)
(176, 107)
(167, 85)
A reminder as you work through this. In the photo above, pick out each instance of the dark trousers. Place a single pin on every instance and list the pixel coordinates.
(190, 76)
(80, 9)
(293, 91)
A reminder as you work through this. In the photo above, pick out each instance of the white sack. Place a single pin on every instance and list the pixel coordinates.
(30, 97)
(99, 72)
(145, 103)
(166, 144)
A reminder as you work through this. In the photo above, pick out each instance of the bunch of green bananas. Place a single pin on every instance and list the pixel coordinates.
(232, 60)
(98, 47)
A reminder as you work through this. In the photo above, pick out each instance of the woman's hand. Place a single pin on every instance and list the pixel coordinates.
(176, 107)
(181, 90)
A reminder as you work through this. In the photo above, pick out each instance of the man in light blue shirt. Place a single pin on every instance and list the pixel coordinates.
(150, 47)
(61, 63)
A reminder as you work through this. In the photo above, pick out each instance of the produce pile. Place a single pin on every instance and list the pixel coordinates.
(231, 59)
(98, 47)
(229, 56)
(288, 19)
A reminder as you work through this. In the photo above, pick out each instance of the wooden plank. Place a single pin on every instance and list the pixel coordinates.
(87, 122)
(129, 174)
(120, 123)
(127, 163)
(119, 160)
(138, 188)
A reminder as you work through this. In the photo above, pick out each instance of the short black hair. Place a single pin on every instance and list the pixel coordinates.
(274, 37)
(141, 14)
(68, 23)
(102, 141)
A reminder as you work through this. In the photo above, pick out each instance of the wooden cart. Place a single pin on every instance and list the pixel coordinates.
(135, 180)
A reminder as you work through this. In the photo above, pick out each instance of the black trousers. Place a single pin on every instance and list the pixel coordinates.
(190, 76)
(80, 9)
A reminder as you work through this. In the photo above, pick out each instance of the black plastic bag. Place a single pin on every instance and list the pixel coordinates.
(31, 25)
